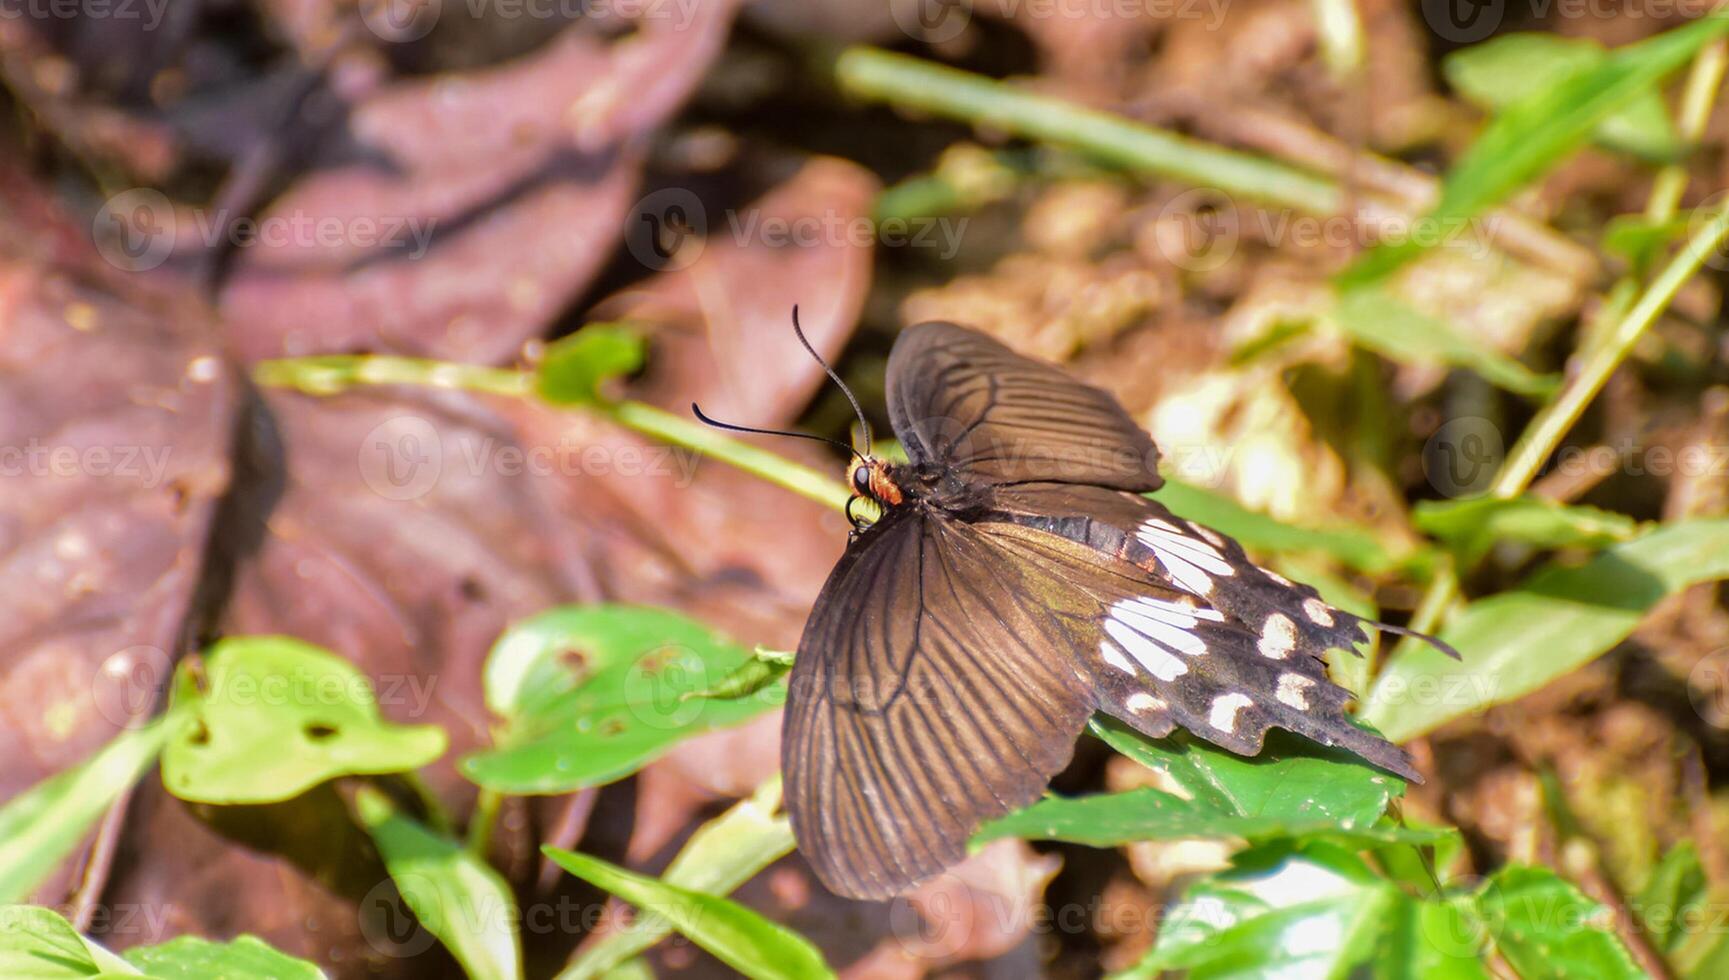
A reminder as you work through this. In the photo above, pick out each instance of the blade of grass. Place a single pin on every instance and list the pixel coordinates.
(877, 75)
(331, 375)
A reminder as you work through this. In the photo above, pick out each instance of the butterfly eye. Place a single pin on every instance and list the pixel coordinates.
(861, 480)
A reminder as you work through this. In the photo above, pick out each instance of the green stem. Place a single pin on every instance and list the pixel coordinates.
(871, 73)
(664, 425)
(482, 821)
(1546, 431)
(1697, 98)
(334, 374)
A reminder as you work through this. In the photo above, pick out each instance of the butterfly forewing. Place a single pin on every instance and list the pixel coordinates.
(926, 698)
(966, 404)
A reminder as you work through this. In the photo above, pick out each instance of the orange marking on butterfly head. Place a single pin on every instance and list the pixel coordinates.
(870, 478)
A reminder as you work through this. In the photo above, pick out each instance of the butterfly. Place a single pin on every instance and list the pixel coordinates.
(1016, 581)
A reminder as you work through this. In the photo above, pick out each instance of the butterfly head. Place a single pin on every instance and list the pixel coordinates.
(875, 480)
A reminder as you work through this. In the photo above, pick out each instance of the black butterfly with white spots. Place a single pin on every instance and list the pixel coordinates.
(1015, 583)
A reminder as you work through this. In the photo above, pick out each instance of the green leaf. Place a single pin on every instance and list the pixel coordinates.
(1257, 532)
(756, 675)
(1675, 899)
(1292, 780)
(42, 825)
(1563, 616)
(275, 717)
(1502, 71)
(1544, 926)
(37, 943)
(1536, 133)
(589, 694)
(573, 369)
(733, 934)
(1316, 912)
(1431, 940)
(1472, 525)
(722, 855)
(191, 958)
(1114, 819)
(456, 896)
(1388, 326)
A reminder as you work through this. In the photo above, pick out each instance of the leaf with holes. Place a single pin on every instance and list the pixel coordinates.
(589, 694)
(274, 717)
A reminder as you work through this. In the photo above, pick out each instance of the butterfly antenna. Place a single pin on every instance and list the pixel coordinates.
(1437, 643)
(856, 407)
(771, 432)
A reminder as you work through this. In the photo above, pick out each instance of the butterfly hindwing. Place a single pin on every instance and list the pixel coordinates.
(965, 403)
(1164, 657)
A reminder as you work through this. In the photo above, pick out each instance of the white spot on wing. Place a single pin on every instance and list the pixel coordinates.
(1140, 701)
(1115, 658)
(1169, 630)
(1278, 637)
(1291, 691)
(1155, 658)
(1317, 612)
(1223, 715)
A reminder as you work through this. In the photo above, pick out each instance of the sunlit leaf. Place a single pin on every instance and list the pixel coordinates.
(1505, 69)
(191, 958)
(1291, 780)
(1564, 616)
(42, 825)
(455, 895)
(1114, 819)
(1472, 525)
(1390, 327)
(274, 716)
(1317, 913)
(1544, 926)
(733, 934)
(589, 694)
(1675, 898)
(1534, 134)
(37, 943)
(722, 855)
